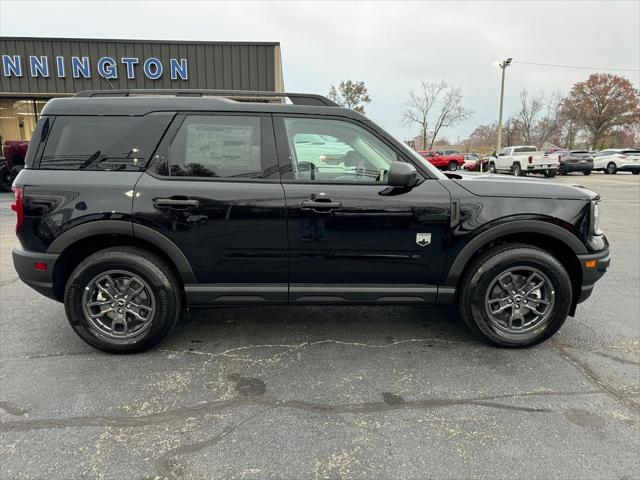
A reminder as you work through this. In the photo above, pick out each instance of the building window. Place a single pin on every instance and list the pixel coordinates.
(18, 118)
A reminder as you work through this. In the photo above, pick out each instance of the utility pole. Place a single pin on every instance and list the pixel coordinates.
(503, 66)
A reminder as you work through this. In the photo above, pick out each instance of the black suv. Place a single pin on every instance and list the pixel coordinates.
(136, 204)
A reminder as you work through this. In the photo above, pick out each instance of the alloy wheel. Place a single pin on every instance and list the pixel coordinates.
(519, 300)
(119, 304)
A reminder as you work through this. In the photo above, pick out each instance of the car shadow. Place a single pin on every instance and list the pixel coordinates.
(229, 327)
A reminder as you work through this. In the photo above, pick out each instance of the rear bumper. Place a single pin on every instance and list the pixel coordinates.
(541, 167)
(41, 281)
(591, 274)
(577, 167)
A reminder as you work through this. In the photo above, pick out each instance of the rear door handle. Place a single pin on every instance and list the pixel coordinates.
(176, 203)
(320, 205)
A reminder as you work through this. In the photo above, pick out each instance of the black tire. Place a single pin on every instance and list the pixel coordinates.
(549, 173)
(481, 275)
(586, 172)
(452, 167)
(636, 172)
(492, 168)
(562, 170)
(150, 269)
(517, 170)
(5, 178)
(611, 169)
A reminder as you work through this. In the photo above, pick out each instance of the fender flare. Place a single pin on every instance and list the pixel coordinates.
(128, 229)
(510, 228)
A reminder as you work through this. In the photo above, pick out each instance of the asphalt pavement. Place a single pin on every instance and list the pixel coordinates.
(329, 392)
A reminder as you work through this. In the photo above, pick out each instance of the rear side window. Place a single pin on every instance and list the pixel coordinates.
(103, 142)
(217, 146)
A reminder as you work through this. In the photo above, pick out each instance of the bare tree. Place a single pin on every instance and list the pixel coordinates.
(419, 106)
(528, 114)
(552, 120)
(512, 131)
(353, 95)
(451, 111)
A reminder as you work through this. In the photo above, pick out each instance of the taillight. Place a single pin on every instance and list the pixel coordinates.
(530, 159)
(559, 157)
(18, 207)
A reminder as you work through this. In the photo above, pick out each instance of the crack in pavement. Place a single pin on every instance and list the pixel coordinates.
(591, 375)
(164, 463)
(206, 408)
(292, 347)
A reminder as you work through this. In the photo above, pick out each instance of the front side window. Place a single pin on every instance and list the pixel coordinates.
(326, 150)
(217, 146)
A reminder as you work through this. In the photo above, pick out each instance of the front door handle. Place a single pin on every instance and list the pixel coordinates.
(176, 203)
(320, 205)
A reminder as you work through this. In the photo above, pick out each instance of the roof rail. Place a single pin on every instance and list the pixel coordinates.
(238, 95)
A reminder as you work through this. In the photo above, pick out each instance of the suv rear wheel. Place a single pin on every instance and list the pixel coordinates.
(122, 300)
(515, 296)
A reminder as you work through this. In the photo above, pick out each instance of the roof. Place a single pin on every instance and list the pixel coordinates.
(133, 102)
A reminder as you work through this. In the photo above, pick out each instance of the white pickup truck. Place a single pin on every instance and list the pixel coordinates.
(522, 159)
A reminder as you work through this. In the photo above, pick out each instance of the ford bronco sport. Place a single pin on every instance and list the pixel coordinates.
(136, 204)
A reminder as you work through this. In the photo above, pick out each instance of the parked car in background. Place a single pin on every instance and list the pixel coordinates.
(472, 162)
(575, 161)
(14, 153)
(614, 160)
(446, 159)
(522, 159)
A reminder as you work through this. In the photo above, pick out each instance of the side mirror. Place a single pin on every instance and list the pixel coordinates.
(402, 174)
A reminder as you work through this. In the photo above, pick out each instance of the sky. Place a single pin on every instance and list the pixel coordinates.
(391, 46)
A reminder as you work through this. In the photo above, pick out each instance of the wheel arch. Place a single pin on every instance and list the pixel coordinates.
(86, 239)
(552, 238)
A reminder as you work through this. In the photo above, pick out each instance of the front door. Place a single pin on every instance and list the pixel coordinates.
(214, 191)
(353, 238)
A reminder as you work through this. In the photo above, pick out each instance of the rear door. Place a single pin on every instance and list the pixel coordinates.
(352, 238)
(214, 191)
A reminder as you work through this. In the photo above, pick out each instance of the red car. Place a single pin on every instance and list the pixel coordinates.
(14, 152)
(446, 159)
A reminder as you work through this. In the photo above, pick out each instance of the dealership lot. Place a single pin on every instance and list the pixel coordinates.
(330, 392)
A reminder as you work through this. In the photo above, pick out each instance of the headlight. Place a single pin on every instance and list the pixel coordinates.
(595, 218)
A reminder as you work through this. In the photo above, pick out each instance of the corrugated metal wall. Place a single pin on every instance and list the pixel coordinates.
(234, 66)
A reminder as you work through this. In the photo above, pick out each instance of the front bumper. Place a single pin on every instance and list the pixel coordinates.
(40, 280)
(594, 266)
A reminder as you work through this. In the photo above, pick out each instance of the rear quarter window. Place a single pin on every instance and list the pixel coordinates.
(103, 142)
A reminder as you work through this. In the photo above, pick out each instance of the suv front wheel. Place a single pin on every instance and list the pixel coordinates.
(515, 296)
(122, 300)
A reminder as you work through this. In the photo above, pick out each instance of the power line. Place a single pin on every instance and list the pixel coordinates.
(576, 66)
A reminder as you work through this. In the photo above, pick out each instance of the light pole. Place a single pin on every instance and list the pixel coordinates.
(503, 66)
